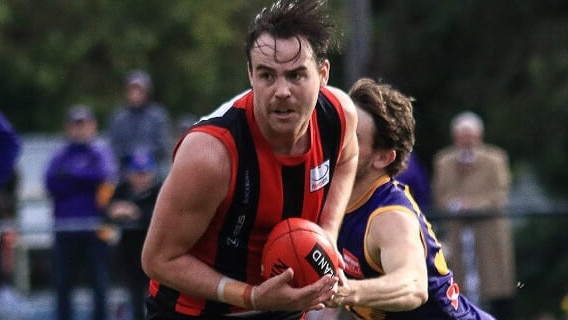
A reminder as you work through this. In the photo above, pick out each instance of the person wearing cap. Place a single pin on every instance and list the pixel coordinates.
(141, 123)
(80, 180)
(131, 208)
(472, 177)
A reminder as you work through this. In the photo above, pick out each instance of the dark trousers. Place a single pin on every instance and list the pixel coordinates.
(130, 250)
(83, 255)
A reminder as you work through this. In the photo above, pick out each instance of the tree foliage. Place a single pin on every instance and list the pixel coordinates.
(505, 60)
(57, 53)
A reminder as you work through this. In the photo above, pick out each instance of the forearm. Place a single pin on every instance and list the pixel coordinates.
(389, 293)
(190, 275)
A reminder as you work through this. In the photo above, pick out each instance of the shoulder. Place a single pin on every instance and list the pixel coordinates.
(444, 154)
(342, 97)
(240, 99)
(157, 108)
(203, 160)
(154, 112)
(121, 114)
(216, 151)
(494, 152)
(100, 145)
(345, 104)
(5, 126)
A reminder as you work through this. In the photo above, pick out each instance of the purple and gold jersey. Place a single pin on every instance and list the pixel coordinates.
(444, 299)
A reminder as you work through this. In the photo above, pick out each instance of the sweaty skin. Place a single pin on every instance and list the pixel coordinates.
(285, 95)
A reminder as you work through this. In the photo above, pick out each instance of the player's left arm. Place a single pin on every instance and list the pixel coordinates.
(344, 174)
(394, 240)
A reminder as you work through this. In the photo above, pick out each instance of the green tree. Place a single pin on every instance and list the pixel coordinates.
(503, 60)
(57, 53)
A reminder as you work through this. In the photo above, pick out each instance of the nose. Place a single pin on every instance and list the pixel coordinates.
(282, 88)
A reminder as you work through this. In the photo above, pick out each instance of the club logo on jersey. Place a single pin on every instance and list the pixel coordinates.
(352, 264)
(319, 176)
(453, 294)
(233, 239)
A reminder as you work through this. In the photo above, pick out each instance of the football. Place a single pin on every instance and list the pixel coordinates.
(303, 246)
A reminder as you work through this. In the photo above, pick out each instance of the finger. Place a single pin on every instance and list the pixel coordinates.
(281, 279)
(326, 283)
(342, 278)
(341, 261)
(286, 276)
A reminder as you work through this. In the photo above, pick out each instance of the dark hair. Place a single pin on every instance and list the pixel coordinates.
(392, 116)
(296, 18)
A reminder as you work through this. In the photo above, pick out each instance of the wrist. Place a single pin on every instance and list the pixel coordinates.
(248, 297)
(236, 293)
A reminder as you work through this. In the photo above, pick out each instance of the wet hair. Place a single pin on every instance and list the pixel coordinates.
(392, 114)
(286, 19)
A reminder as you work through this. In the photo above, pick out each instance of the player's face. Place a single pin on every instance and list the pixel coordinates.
(365, 133)
(286, 80)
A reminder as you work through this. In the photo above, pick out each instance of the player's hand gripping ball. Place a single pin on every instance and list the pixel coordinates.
(303, 246)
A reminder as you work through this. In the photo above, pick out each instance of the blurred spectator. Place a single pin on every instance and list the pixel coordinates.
(9, 150)
(80, 179)
(141, 124)
(473, 177)
(131, 208)
(10, 147)
(416, 177)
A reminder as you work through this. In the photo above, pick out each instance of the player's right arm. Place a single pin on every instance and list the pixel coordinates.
(393, 242)
(193, 190)
(195, 186)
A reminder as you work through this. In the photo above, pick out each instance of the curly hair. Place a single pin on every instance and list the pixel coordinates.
(392, 114)
(296, 18)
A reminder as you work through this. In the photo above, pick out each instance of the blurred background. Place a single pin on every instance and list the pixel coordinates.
(506, 60)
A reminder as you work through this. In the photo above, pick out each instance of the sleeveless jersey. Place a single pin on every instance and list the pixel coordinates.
(444, 300)
(264, 189)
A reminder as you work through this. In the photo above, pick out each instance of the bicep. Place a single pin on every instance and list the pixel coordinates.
(350, 148)
(344, 174)
(397, 240)
(193, 190)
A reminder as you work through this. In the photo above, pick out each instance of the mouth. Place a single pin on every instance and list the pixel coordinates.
(283, 114)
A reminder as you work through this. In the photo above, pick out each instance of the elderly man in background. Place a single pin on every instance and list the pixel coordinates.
(471, 177)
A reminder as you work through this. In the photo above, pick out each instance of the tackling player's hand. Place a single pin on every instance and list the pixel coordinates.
(341, 297)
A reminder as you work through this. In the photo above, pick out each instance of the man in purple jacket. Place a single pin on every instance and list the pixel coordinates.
(9, 150)
(80, 180)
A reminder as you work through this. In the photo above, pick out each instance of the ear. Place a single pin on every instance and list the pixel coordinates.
(249, 72)
(383, 158)
(324, 68)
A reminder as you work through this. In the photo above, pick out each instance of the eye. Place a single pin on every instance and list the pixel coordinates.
(296, 76)
(266, 76)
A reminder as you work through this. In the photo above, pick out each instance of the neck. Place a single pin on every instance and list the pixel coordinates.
(292, 147)
(362, 185)
(288, 143)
